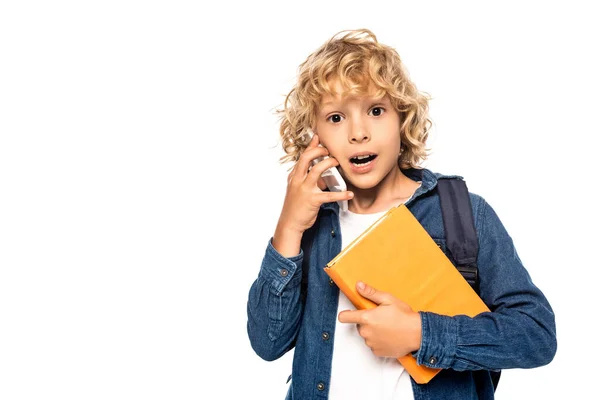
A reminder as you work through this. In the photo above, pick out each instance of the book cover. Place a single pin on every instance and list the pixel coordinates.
(397, 255)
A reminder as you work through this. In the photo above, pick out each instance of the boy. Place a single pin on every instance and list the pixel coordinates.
(372, 122)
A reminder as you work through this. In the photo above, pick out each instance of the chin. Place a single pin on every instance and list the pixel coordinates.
(365, 183)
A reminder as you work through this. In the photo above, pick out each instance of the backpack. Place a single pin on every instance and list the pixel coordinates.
(459, 230)
(461, 237)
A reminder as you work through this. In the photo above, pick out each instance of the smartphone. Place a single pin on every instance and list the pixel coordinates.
(331, 176)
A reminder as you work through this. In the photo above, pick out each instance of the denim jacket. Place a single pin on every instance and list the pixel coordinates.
(519, 332)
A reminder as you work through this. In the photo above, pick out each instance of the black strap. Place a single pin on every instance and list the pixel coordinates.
(459, 228)
(307, 242)
(461, 237)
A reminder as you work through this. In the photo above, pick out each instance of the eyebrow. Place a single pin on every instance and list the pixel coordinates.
(369, 100)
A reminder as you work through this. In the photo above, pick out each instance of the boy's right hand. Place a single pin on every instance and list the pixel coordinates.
(303, 198)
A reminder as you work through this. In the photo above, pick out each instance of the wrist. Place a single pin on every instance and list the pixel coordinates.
(417, 332)
(288, 229)
(286, 240)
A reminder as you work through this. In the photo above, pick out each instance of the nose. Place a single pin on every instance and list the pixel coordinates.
(358, 132)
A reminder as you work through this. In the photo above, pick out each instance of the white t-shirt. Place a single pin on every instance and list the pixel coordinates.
(356, 373)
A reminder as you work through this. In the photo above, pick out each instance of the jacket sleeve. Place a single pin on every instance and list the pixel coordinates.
(274, 305)
(519, 332)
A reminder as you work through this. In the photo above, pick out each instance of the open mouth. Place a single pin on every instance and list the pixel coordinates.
(361, 161)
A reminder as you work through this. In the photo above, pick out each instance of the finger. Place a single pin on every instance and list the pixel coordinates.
(378, 352)
(360, 329)
(314, 142)
(317, 170)
(351, 316)
(330, 197)
(376, 296)
(321, 184)
(305, 160)
(291, 174)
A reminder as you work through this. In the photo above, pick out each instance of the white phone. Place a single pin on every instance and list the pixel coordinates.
(331, 176)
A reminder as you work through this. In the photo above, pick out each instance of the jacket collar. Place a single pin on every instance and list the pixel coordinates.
(427, 178)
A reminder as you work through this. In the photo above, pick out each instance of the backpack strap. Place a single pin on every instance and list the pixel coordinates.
(461, 237)
(306, 244)
(459, 227)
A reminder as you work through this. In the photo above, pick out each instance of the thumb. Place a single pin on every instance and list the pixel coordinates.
(376, 296)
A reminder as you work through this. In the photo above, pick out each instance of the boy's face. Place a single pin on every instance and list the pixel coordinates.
(362, 133)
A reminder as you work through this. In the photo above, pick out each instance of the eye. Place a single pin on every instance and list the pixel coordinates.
(376, 111)
(335, 118)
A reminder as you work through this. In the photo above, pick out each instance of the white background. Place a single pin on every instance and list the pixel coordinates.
(139, 177)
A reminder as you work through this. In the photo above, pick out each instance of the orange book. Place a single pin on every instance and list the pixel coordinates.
(397, 255)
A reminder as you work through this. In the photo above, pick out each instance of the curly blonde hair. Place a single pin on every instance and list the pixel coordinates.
(356, 59)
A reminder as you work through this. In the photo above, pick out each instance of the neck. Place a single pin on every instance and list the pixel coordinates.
(393, 190)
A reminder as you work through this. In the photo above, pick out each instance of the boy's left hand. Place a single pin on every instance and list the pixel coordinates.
(392, 329)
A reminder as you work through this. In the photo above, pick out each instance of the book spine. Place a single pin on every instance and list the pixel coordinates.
(362, 235)
(419, 373)
(349, 289)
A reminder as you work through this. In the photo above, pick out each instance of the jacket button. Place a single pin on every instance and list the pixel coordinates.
(432, 360)
(331, 282)
(284, 272)
(325, 336)
(333, 233)
(320, 386)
